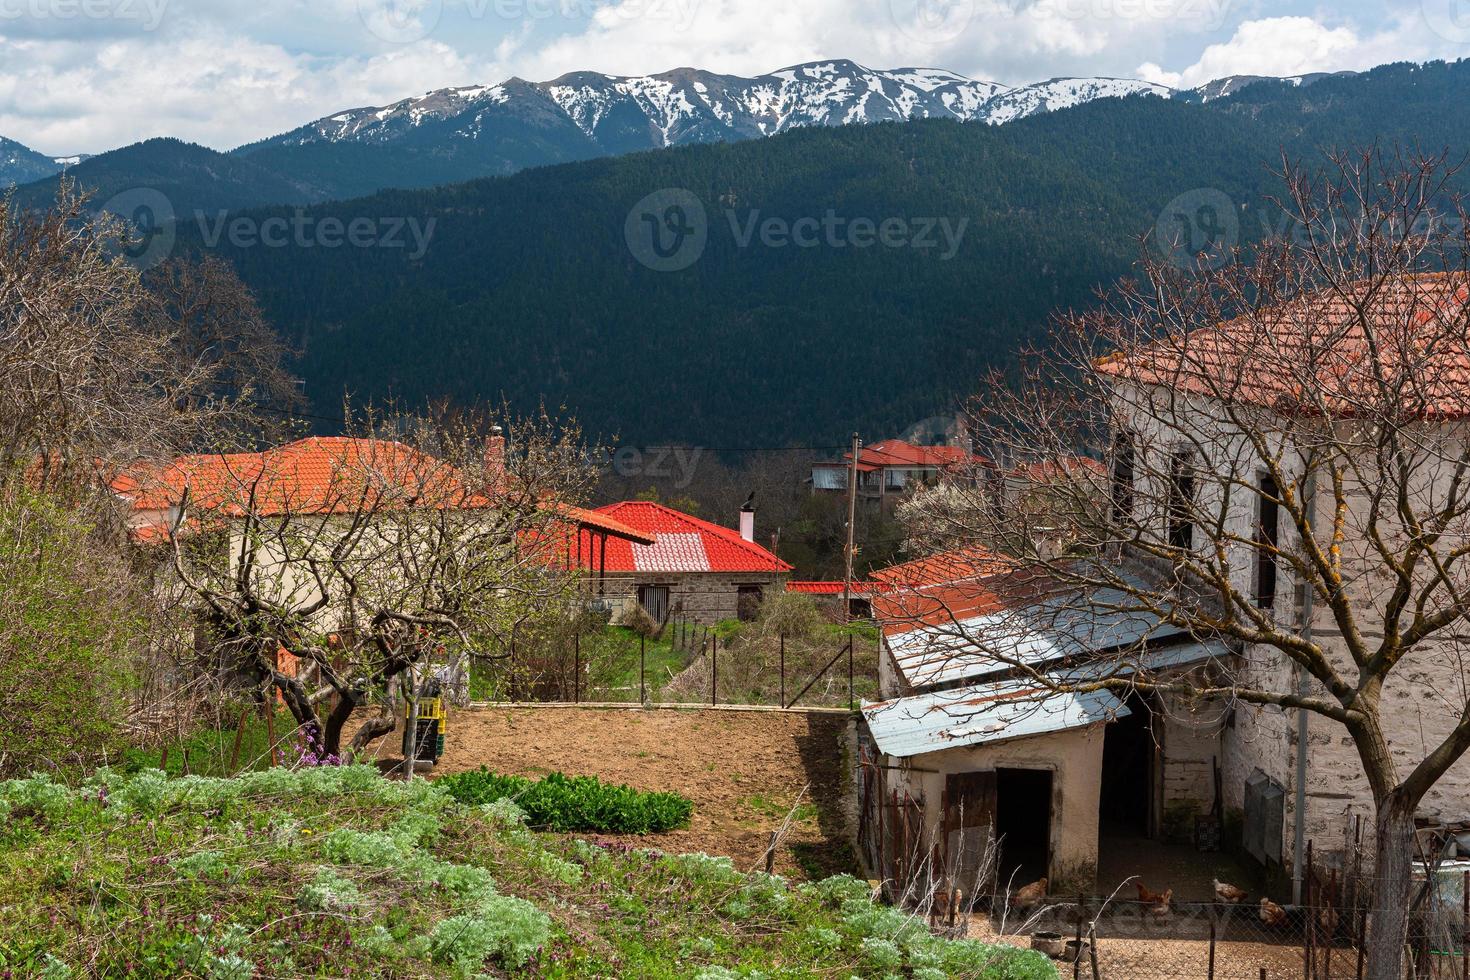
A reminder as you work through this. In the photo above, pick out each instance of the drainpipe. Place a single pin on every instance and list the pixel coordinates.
(1303, 686)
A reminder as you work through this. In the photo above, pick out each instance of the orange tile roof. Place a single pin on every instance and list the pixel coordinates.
(1016, 587)
(309, 477)
(835, 588)
(946, 566)
(1311, 355)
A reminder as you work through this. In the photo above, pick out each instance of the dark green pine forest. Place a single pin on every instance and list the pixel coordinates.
(529, 291)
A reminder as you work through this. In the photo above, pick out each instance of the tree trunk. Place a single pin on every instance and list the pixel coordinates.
(1393, 881)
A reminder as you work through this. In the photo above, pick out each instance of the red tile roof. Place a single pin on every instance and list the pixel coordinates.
(946, 566)
(682, 543)
(1310, 355)
(591, 520)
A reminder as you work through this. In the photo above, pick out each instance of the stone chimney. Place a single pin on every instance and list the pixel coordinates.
(495, 454)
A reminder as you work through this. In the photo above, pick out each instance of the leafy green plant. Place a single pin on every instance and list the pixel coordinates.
(574, 803)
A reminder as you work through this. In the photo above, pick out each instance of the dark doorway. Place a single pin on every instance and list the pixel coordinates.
(1023, 825)
(1125, 805)
(655, 601)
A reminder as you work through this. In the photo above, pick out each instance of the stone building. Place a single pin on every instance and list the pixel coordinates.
(964, 711)
(694, 570)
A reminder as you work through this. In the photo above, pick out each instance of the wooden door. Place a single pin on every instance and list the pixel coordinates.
(969, 831)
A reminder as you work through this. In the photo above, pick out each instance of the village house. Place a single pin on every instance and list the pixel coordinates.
(965, 747)
(887, 468)
(692, 570)
(313, 482)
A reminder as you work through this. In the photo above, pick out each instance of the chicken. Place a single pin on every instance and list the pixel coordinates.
(1228, 893)
(1327, 921)
(1029, 894)
(1272, 914)
(1160, 907)
(1151, 898)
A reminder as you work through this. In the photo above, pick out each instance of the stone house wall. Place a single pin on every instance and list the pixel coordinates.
(699, 597)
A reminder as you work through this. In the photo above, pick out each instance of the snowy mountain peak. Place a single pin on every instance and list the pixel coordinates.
(689, 105)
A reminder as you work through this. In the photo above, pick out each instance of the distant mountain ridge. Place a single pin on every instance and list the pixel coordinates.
(21, 164)
(457, 134)
(687, 105)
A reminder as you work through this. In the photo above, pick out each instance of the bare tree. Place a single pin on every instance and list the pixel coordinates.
(1289, 423)
(215, 323)
(96, 371)
(363, 560)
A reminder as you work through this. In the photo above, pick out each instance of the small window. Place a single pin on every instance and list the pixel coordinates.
(748, 602)
(1268, 534)
(655, 601)
(1122, 476)
(1181, 501)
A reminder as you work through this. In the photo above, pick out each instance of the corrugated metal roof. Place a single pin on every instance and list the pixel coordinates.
(1165, 658)
(982, 714)
(945, 648)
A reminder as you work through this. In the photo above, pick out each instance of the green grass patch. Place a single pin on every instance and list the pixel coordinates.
(208, 751)
(574, 803)
(339, 872)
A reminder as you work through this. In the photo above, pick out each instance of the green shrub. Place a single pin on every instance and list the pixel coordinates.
(74, 621)
(511, 930)
(574, 803)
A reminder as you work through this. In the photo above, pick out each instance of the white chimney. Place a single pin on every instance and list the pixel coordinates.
(747, 523)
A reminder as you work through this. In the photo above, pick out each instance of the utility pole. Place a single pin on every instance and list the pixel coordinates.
(852, 473)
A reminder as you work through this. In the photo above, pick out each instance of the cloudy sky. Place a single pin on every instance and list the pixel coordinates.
(89, 75)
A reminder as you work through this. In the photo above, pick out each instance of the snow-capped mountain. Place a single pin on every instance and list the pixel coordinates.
(20, 164)
(619, 114)
(1230, 84)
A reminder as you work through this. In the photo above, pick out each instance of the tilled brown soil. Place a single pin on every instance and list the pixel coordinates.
(744, 770)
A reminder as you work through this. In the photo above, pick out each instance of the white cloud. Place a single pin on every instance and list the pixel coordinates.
(1284, 46)
(65, 96)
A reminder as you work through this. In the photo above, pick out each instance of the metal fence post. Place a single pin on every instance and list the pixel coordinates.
(576, 668)
(783, 669)
(642, 669)
(714, 670)
(1212, 944)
